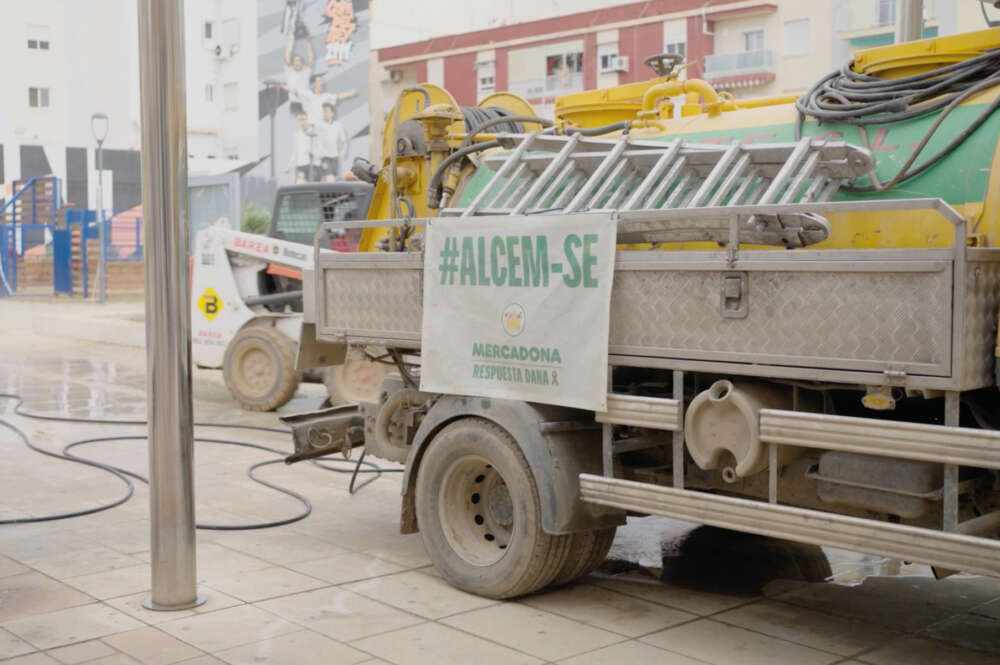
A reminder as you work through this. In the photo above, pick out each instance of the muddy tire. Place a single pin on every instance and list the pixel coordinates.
(357, 380)
(587, 552)
(259, 368)
(479, 513)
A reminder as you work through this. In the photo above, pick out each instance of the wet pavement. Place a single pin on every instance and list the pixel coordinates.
(343, 586)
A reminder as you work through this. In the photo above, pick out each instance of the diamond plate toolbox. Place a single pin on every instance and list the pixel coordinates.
(878, 311)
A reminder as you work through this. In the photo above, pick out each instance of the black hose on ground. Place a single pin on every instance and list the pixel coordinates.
(854, 98)
(125, 475)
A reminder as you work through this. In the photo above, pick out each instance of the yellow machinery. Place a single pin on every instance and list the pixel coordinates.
(647, 109)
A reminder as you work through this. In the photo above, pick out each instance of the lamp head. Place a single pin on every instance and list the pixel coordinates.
(99, 125)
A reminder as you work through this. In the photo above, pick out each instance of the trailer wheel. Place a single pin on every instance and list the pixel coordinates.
(358, 379)
(588, 550)
(479, 514)
(259, 368)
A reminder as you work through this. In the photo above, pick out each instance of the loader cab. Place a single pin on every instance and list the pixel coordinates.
(298, 212)
(300, 209)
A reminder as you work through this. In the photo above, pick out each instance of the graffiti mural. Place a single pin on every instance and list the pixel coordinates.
(313, 99)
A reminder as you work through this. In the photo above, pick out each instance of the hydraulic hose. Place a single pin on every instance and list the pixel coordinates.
(862, 100)
(126, 476)
(434, 188)
(488, 122)
(624, 125)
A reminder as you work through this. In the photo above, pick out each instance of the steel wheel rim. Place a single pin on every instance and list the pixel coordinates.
(256, 370)
(475, 511)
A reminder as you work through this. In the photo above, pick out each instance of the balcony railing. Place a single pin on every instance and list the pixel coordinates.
(733, 64)
(548, 87)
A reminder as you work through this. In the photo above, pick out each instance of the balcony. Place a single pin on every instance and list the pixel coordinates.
(725, 65)
(544, 90)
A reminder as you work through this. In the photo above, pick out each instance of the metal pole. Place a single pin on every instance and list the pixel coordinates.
(274, 109)
(168, 324)
(910, 22)
(102, 264)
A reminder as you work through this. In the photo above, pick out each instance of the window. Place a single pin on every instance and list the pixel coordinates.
(607, 54)
(38, 97)
(797, 37)
(209, 92)
(886, 12)
(38, 37)
(230, 95)
(570, 63)
(564, 72)
(208, 29)
(753, 40)
(301, 213)
(231, 35)
(486, 76)
(676, 46)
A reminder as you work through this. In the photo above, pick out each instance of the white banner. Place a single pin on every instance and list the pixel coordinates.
(519, 308)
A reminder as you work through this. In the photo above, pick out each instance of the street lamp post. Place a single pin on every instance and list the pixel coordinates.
(99, 125)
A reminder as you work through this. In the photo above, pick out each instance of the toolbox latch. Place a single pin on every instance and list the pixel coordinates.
(733, 296)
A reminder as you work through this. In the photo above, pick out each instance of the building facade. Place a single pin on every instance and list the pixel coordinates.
(747, 47)
(73, 59)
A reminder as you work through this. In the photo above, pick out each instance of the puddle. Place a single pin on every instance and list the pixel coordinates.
(731, 562)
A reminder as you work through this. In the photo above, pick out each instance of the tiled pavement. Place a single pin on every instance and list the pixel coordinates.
(343, 587)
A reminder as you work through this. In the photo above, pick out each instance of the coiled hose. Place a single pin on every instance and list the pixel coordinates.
(476, 117)
(862, 100)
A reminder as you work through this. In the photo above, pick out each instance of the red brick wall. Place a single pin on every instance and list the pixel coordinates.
(460, 78)
(582, 20)
(500, 70)
(590, 61)
(698, 46)
(638, 43)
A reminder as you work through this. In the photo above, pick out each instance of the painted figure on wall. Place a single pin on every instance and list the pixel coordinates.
(322, 67)
(340, 13)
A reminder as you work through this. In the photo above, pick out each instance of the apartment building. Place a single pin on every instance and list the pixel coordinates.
(864, 23)
(222, 87)
(68, 60)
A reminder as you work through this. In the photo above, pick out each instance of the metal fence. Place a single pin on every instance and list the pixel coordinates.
(122, 232)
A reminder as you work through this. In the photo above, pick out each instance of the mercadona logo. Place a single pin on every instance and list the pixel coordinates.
(512, 319)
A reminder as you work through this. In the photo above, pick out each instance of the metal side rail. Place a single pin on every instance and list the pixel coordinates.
(639, 411)
(948, 550)
(868, 436)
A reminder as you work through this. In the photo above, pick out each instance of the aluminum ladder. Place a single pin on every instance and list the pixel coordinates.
(554, 174)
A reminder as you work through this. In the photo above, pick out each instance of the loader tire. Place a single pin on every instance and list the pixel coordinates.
(479, 514)
(587, 552)
(259, 368)
(358, 379)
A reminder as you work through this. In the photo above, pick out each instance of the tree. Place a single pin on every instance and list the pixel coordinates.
(254, 218)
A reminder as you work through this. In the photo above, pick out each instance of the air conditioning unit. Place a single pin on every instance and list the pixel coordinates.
(620, 64)
(396, 75)
(225, 51)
